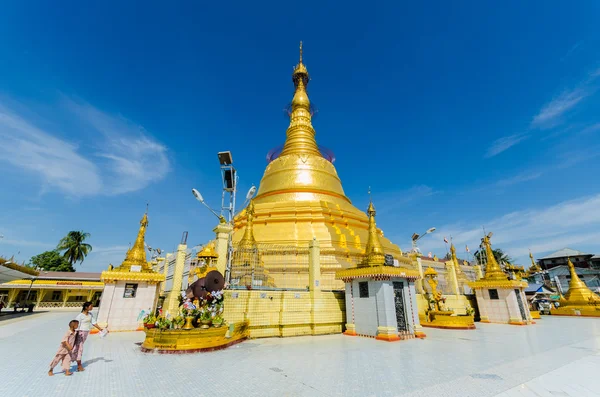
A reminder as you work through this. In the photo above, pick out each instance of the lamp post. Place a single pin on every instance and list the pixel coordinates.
(416, 237)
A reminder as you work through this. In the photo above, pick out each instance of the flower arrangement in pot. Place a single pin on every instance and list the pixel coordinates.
(163, 323)
(205, 317)
(149, 321)
(178, 322)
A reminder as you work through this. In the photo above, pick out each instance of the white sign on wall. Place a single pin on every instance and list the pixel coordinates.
(136, 268)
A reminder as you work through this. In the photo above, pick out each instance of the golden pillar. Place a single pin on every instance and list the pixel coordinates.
(223, 231)
(478, 272)
(314, 276)
(453, 278)
(171, 304)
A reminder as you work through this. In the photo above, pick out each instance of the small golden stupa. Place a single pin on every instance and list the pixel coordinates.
(495, 290)
(579, 299)
(301, 198)
(135, 267)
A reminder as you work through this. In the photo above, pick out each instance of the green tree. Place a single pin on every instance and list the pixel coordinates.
(499, 255)
(51, 261)
(74, 246)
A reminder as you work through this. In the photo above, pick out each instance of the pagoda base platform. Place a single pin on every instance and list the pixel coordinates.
(447, 320)
(176, 341)
(577, 311)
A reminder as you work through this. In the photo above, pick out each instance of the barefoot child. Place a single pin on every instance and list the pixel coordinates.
(65, 350)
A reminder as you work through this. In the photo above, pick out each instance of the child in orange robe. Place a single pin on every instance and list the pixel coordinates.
(65, 350)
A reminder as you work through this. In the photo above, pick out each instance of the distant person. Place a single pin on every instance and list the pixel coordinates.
(86, 321)
(65, 351)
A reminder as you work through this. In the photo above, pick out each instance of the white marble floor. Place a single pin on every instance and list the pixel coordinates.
(555, 357)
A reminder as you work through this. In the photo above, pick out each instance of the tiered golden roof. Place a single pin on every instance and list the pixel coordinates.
(301, 196)
(494, 276)
(578, 294)
(136, 259)
(373, 264)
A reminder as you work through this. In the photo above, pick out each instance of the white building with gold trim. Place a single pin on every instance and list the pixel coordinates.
(53, 290)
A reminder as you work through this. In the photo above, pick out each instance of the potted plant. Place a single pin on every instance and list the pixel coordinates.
(205, 318)
(178, 322)
(217, 321)
(149, 321)
(163, 323)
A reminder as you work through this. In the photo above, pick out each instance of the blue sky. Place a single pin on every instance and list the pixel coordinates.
(457, 115)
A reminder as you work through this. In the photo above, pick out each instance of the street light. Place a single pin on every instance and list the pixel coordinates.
(416, 237)
(199, 197)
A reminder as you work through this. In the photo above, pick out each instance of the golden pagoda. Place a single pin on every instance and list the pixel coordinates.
(135, 266)
(495, 290)
(579, 299)
(301, 198)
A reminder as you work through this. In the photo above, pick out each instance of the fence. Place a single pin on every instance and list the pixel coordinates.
(283, 267)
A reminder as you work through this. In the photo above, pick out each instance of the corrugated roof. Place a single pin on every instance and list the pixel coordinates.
(564, 253)
(84, 276)
(563, 270)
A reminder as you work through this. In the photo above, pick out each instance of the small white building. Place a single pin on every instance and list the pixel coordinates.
(129, 289)
(500, 299)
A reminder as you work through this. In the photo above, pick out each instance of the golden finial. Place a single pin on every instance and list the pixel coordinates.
(374, 255)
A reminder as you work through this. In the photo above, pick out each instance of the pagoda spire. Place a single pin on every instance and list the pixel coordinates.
(455, 259)
(493, 270)
(136, 255)
(248, 240)
(374, 255)
(300, 133)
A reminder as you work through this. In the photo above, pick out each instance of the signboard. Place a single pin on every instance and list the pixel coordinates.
(389, 260)
(130, 290)
(297, 296)
(68, 283)
(316, 283)
(136, 268)
(234, 295)
(263, 295)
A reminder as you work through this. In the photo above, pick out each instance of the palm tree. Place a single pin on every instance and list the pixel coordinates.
(499, 255)
(74, 247)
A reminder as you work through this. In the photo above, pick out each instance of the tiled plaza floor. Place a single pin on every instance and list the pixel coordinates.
(555, 357)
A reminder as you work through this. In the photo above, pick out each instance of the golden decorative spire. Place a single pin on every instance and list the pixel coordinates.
(136, 255)
(455, 259)
(578, 293)
(493, 270)
(300, 133)
(248, 240)
(374, 255)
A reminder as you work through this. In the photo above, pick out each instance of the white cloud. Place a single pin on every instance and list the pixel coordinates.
(550, 115)
(125, 158)
(56, 161)
(570, 223)
(519, 178)
(504, 143)
(392, 201)
(551, 112)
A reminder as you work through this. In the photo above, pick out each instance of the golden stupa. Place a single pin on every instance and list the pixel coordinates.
(579, 297)
(301, 198)
(135, 266)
